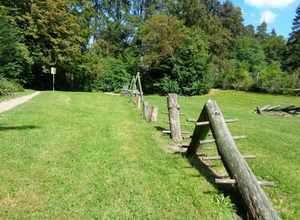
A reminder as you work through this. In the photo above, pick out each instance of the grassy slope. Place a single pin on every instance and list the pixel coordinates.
(275, 140)
(84, 155)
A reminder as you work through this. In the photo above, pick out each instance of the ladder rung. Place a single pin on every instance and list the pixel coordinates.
(219, 157)
(233, 181)
(209, 141)
(202, 123)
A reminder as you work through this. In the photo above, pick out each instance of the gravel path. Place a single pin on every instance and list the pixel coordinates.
(12, 103)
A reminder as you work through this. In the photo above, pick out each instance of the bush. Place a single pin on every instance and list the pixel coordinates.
(272, 79)
(238, 77)
(169, 86)
(114, 76)
(8, 87)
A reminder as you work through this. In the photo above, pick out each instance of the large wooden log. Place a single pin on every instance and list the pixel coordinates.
(255, 199)
(174, 117)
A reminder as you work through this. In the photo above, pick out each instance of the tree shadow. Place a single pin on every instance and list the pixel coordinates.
(21, 127)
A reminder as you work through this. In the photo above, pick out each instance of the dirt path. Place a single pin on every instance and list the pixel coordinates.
(12, 103)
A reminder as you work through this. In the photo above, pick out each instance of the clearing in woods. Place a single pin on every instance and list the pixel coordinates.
(90, 155)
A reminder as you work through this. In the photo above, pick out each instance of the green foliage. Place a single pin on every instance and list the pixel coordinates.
(8, 87)
(169, 86)
(195, 45)
(293, 53)
(191, 66)
(114, 77)
(273, 79)
(162, 35)
(249, 51)
(15, 59)
(238, 77)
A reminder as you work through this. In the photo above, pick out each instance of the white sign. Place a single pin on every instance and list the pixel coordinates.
(53, 70)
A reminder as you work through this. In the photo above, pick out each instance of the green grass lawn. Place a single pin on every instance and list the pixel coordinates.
(275, 140)
(91, 156)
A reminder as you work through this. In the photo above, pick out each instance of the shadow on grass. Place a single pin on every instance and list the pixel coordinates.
(228, 190)
(22, 127)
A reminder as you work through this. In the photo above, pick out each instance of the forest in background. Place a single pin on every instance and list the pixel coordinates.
(186, 46)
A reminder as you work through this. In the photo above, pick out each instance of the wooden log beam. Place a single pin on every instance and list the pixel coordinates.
(174, 117)
(255, 199)
(207, 122)
(138, 79)
(234, 182)
(219, 157)
(209, 141)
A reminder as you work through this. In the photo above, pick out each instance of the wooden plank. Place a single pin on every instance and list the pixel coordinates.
(207, 122)
(233, 182)
(209, 141)
(259, 206)
(174, 117)
(219, 157)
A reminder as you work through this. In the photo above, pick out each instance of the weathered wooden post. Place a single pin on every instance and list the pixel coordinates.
(139, 102)
(140, 87)
(174, 117)
(146, 110)
(154, 114)
(254, 197)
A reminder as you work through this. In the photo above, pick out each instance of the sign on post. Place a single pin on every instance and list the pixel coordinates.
(53, 72)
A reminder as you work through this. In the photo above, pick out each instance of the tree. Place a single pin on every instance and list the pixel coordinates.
(232, 18)
(249, 51)
(275, 48)
(51, 34)
(191, 66)
(15, 60)
(161, 36)
(293, 54)
(261, 32)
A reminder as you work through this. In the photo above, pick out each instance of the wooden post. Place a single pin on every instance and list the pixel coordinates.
(139, 102)
(140, 86)
(154, 114)
(255, 199)
(145, 110)
(174, 117)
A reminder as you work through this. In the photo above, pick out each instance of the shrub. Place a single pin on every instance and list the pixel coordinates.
(238, 77)
(8, 87)
(114, 76)
(272, 79)
(169, 86)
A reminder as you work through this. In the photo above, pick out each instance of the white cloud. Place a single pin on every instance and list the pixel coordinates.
(270, 3)
(267, 16)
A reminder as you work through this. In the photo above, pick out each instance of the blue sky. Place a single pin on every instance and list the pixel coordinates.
(278, 14)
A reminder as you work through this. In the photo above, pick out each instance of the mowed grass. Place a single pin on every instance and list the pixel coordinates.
(275, 140)
(91, 156)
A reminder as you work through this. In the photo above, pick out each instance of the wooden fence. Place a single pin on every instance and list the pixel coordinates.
(241, 176)
(135, 90)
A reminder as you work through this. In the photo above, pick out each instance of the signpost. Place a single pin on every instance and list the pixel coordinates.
(53, 72)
